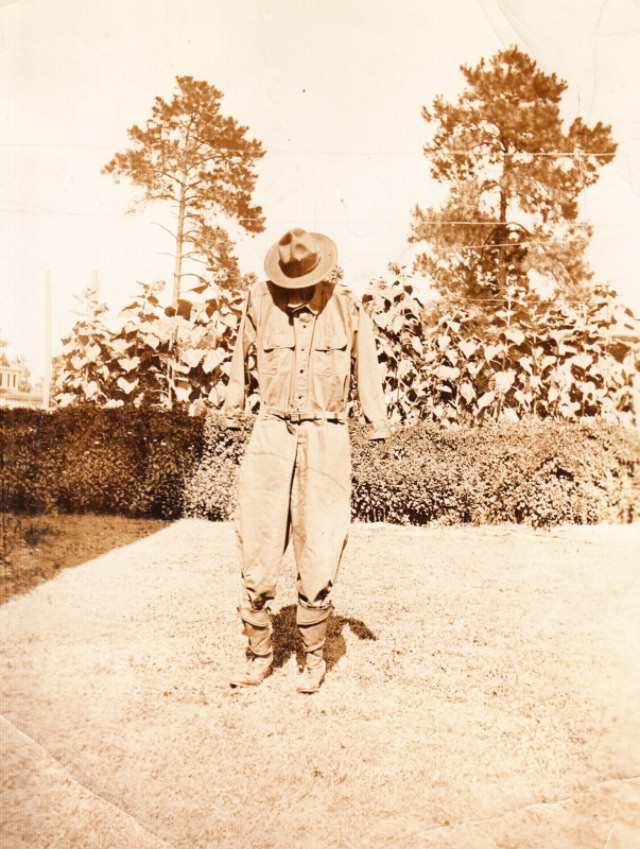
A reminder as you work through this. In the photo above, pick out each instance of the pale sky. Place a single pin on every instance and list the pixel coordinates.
(332, 89)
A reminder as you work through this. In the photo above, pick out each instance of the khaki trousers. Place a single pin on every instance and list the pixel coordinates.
(295, 482)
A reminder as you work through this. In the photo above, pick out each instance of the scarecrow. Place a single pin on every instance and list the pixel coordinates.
(308, 332)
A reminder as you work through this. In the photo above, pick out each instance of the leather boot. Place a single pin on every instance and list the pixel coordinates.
(257, 628)
(312, 624)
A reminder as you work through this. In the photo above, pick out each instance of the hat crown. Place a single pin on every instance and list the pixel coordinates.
(298, 253)
(300, 259)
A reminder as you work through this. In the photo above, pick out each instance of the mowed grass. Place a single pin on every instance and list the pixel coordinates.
(482, 692)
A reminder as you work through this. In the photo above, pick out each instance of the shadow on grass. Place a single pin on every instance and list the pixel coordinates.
(287, 641)
(34, 548)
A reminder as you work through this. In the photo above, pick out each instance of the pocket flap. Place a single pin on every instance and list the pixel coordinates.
(331, 342)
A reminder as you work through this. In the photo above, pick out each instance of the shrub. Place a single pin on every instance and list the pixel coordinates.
(211, 490)
(156, 358)
(125, 461)
(462, 365)
(541, 473)
(166, 464)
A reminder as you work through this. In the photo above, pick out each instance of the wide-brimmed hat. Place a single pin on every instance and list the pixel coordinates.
(300, 259)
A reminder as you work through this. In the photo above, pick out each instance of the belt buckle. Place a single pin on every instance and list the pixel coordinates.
(295, 417)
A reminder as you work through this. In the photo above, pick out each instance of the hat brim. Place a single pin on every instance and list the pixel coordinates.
(328, 259)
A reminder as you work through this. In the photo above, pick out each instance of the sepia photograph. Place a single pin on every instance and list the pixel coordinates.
(320, 424)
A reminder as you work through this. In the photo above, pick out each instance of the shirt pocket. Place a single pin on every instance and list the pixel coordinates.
(277, 352)
(331, 354)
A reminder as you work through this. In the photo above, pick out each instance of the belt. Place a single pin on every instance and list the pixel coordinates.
(297, 416)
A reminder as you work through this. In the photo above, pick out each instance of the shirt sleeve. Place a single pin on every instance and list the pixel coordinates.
(369, 377)
(234, 401)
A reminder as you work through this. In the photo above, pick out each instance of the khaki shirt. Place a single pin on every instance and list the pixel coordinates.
(304, 355)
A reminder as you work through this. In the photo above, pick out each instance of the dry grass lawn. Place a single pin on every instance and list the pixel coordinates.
(483, 693)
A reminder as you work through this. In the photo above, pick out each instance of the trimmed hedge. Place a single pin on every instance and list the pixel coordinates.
(540, 473)
(125, 461)
(166, 464)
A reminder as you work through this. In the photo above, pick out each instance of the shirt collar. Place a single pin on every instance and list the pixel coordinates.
(294, 303)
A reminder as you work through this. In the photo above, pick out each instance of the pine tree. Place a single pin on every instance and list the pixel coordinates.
(515, 176)
(200, 162)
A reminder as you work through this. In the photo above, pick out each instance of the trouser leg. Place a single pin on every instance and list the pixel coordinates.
(320, 517)
(262, 528)
(263, 508)
(320, 508)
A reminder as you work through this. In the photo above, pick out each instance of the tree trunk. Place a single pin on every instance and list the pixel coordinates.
(502, 271)
(177, 269)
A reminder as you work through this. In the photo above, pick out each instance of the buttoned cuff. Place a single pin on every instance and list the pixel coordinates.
(379, 430)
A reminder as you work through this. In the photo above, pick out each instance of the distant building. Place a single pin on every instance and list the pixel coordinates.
(10, 395)
(9, 375)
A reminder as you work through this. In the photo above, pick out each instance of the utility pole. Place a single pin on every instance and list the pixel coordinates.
(46, 386)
